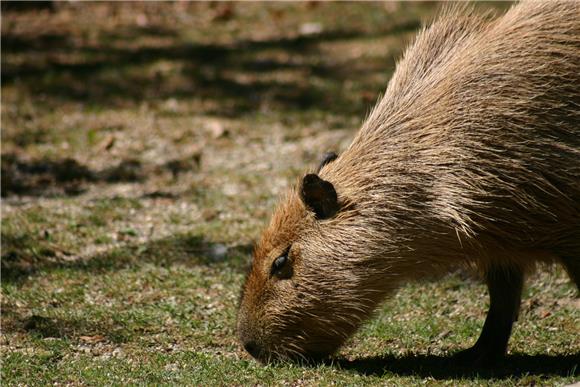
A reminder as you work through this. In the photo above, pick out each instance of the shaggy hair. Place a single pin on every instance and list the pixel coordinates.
(471, 158)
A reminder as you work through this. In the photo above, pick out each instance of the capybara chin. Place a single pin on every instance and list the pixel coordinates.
(470, 159)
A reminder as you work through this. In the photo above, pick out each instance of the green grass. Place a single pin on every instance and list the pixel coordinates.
(143, 149)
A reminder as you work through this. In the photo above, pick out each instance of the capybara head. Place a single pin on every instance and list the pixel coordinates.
(309, 287)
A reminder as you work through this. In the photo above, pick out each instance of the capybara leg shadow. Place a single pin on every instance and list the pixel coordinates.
(505, 289)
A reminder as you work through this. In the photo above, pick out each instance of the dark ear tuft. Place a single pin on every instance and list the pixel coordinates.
(319, 195)
(328, 157)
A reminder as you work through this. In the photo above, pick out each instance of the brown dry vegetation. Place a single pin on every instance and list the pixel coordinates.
(144, 146)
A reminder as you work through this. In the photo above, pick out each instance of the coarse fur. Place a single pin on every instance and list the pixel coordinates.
(471, 158)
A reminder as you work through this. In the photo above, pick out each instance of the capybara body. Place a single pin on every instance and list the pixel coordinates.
(471, 158)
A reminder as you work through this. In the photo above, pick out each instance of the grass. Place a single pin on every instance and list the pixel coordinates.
(144, 147)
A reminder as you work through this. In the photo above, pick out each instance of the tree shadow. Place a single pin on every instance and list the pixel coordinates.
(444, 367)
(23, 257)
(229, 73)
(14, 320)
(66, 176)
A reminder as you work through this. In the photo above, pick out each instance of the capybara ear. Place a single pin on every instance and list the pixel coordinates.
(319, 195)
(328, 157)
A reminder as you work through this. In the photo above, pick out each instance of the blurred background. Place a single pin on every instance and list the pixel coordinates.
(201, 112)
(144, 145)
(125, 92)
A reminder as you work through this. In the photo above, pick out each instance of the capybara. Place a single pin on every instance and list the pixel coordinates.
(470, 159)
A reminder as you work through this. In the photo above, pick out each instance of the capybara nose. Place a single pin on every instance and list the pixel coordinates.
(252, 348)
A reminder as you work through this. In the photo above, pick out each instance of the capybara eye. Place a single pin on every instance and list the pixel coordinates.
(279, 262)
(281, 267)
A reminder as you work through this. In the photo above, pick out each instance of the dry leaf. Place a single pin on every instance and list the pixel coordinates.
(92, 339)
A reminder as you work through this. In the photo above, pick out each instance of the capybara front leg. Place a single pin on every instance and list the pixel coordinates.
(505, 289)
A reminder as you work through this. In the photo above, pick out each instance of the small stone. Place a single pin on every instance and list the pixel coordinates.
(311, 28)
(171, 105)
(217, 130)
(230, 190)
(218, 252)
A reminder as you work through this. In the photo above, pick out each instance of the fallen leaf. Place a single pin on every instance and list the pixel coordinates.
(92, 339)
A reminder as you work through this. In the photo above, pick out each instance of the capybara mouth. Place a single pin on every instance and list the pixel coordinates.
(293, 357)
(266, 356)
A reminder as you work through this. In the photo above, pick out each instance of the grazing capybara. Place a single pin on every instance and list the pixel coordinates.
(470, 159)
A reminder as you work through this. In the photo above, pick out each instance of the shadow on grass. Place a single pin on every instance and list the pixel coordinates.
(66, 176)
(50, 177)
(444, 367)
(69, 328)
(24, 258)
(230, 74)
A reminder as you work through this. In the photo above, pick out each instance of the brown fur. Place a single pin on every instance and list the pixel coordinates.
(472, 157)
